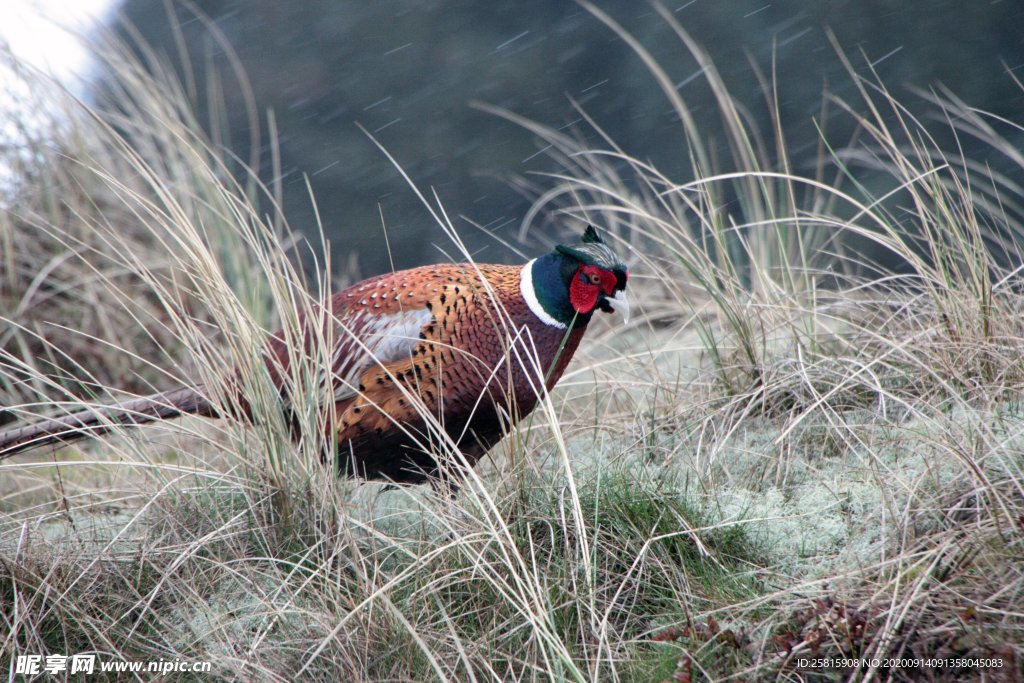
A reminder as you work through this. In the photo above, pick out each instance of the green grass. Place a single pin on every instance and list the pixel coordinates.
(788, 453)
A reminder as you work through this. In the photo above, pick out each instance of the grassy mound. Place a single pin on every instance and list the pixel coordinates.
(794, 464)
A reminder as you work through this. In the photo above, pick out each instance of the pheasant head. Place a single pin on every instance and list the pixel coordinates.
(565, 287)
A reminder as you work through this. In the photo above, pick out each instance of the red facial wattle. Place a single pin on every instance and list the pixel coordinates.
(584, 291)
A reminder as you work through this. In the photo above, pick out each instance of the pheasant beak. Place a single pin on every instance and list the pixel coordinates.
(620, 303)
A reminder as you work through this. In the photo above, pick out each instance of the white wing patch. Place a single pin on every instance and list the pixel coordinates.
(373, 339)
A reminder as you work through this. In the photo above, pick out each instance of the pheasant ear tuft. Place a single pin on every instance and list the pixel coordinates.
(591, 250)
(591, 236)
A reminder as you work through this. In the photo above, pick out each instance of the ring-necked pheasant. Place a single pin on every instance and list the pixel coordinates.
(457, 350)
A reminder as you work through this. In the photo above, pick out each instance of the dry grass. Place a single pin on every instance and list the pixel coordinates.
(791, 454)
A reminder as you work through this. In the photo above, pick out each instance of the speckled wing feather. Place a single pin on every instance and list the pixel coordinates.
(372, 324)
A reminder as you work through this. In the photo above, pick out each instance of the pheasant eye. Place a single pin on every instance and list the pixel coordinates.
(595, 279)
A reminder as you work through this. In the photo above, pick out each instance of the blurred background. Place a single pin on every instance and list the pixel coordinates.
(409, 73)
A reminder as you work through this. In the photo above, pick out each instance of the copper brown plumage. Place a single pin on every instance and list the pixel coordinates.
(454, 353)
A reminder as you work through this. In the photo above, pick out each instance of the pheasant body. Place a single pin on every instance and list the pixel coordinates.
(478, 361)
(452, 353)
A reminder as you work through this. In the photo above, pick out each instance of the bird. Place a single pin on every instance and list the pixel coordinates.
(455, 352)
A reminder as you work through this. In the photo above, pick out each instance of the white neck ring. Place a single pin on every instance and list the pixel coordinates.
(529, 293)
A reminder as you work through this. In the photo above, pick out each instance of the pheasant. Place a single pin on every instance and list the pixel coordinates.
(455, 352)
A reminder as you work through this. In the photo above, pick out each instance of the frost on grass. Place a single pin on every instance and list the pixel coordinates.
(828, 495)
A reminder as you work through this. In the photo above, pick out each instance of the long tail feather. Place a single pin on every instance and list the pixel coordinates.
(163, 406)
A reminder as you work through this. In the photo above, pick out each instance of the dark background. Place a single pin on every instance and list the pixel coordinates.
(408, 71)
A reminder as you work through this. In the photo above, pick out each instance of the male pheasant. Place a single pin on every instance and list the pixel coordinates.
(454, 351)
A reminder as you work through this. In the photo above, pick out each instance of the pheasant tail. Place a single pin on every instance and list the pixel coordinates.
(169, 404)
